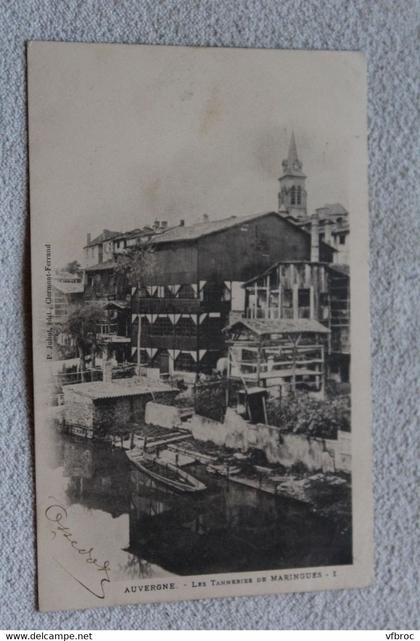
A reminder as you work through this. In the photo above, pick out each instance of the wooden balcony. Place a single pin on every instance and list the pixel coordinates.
(183, 343)
(154, 305)
(107, 328)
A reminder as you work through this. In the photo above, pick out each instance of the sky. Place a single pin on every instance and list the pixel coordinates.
(123, 135)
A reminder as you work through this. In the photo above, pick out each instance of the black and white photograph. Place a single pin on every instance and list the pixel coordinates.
(201, 357)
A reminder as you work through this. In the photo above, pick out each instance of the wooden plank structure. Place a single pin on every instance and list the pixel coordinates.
(303, 290)
(290, 289)
(278, 353)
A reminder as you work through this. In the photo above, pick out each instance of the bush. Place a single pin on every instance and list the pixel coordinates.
(302, 414)
(210, 397)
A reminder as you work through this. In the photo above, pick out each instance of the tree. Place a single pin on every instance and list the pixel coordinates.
(137, 264)
(74, 267)
(82, 324)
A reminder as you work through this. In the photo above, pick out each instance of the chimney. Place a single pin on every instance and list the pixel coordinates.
(88, 238)
(163, 224)
(314, 239)
(205, 218)
(156, 224)
(182, 222)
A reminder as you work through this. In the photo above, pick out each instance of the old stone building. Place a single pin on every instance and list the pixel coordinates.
(100, 408)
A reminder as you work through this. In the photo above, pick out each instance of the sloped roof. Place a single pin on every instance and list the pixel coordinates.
(108, 264)
(68, 288)
(135, 233)
(282, 326)
(334, 208)
(119, 388)
(344, 270)
(117, 304)
(64, 275)
(205, 228)
(198, 230)
(105, 235)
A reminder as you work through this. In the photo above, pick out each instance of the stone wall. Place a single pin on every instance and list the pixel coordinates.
(164, 415)
(124, 412)
(78, 409)
(286, 448)
(110, 414)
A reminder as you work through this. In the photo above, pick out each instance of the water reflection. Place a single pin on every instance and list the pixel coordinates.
(228, 527)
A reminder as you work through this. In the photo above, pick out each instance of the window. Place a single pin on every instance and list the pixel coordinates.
(342, 239)
(213, 291)
(185, 327)
(168, 293)
(185, 362)
(211, 327)
(274, 278)
(304, 303)
(161, 327)
(298, 195)
(186, 291)
(324, 306)
(293, 195)
(287, 303)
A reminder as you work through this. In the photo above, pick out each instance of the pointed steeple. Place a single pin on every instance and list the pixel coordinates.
(292, 166)
(292, 194)
(292, 155)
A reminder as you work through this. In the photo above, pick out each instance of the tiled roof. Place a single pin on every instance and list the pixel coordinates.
(135, 233)
(106, 235)
(64, 275)
(341, 269)
(282, 326)
(108, 264)
(197, 230)
(69, 288)
(119, 388)
(335, 209)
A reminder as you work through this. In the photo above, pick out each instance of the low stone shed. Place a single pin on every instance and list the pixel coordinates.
(100, 408)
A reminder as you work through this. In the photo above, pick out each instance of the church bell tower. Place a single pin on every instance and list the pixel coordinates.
(292, 194)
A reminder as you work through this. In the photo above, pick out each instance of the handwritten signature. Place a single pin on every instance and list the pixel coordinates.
(57, 515)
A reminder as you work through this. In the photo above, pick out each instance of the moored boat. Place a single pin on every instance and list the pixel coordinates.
(223, 469)
(165, 473)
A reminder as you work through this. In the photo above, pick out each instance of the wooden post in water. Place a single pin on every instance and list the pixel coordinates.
(139, 346)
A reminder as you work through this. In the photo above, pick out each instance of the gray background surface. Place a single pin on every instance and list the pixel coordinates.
(386, 31)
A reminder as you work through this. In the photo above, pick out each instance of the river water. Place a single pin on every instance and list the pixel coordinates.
(154, 532)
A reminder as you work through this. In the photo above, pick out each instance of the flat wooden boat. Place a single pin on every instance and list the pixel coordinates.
(223, 469)
(165, 473)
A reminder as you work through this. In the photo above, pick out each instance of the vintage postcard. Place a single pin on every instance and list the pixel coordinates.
(199, 230)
